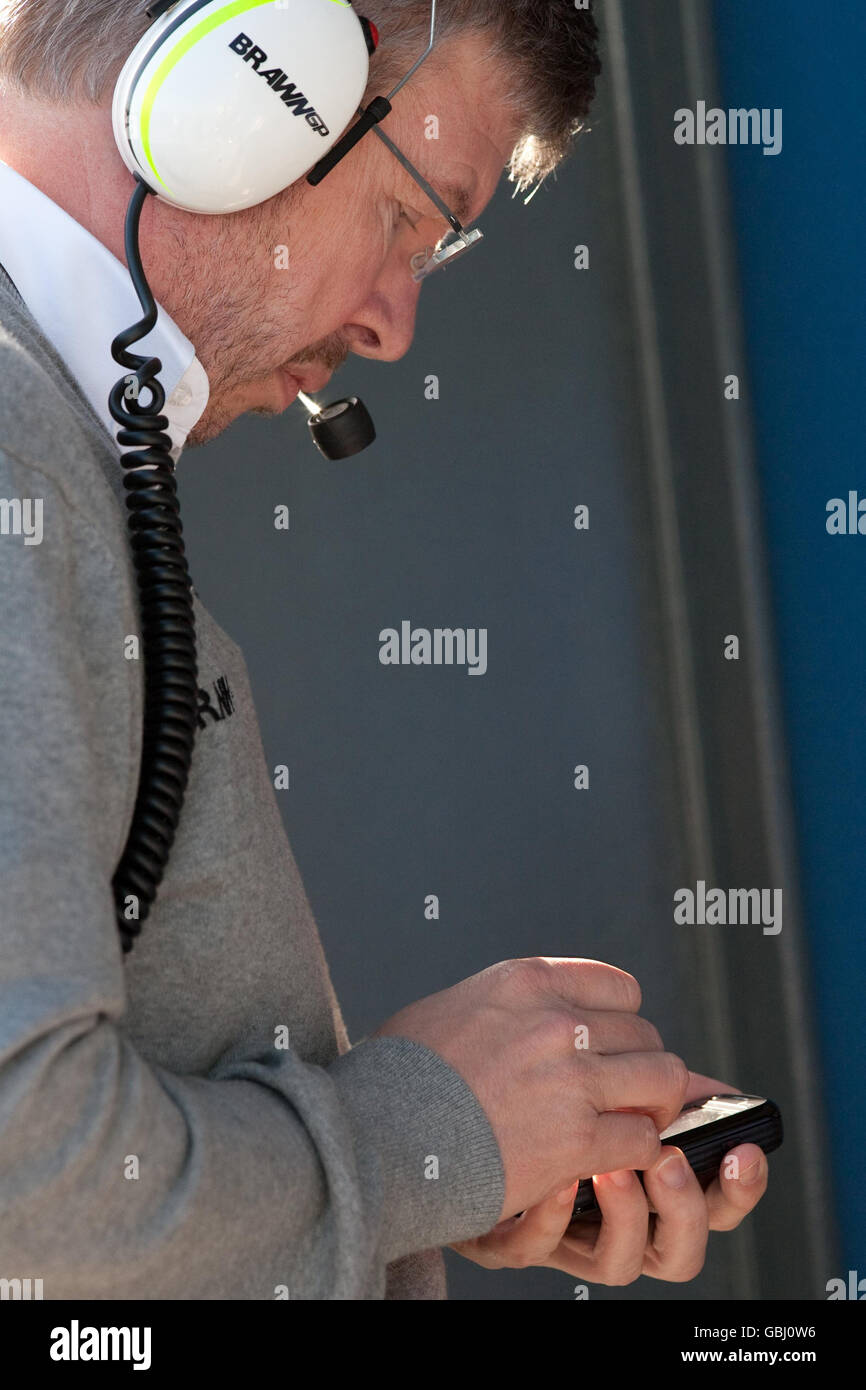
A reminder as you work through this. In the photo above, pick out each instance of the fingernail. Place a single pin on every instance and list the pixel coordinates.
(672, 1171)
(752, 1173)
(622, 1177)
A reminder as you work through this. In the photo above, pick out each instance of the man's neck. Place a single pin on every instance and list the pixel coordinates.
(68, 152)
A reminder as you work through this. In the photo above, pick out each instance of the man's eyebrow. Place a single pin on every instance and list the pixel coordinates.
(459, 196)
(456, 195)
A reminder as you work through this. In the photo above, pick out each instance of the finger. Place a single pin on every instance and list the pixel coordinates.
(679, 1242)
(700, 1087)
(529, 1239)
(742, 1182)
(591, 984)
(651, 1082)
(610, 1031)
(621, 1139)
(617, 1250)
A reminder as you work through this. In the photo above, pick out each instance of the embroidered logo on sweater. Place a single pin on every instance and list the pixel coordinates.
(225, 704)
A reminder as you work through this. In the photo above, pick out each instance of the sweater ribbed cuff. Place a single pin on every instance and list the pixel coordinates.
(440, 1168)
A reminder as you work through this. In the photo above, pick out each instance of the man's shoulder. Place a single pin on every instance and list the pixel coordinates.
(44, 424)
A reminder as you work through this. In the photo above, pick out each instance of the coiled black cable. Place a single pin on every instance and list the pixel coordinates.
(165, 608)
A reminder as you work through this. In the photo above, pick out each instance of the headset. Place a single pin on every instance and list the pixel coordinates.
(220, 106)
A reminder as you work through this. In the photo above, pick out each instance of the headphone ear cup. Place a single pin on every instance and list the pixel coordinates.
(221, 106)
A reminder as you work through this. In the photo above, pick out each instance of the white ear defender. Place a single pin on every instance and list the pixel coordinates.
(219, 107)
(222, 105)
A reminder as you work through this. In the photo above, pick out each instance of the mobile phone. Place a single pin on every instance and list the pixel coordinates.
(705, 1131)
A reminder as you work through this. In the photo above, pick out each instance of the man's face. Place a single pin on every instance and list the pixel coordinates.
(316, 273)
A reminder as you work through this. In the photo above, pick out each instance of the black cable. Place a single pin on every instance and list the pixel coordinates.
(376, 111)
(165, 607)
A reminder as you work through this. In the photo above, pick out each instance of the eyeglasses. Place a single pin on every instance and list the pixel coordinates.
(455, 242)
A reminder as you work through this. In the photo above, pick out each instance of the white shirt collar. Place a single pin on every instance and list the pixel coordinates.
(82, 297)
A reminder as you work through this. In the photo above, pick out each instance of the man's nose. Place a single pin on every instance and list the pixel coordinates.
(384, 325)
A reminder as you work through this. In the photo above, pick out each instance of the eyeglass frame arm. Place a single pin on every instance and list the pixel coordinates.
(419, 179)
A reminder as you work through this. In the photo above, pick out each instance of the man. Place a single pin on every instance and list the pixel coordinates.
(191, 1122)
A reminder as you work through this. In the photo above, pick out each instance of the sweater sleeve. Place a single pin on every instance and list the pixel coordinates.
(267, 1177)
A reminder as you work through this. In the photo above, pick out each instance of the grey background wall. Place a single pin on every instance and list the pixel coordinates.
(410, 781)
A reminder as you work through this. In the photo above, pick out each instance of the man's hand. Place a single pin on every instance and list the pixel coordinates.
(570, 1078)
(661, 1232)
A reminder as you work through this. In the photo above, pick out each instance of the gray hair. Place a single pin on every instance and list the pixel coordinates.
(69, 51)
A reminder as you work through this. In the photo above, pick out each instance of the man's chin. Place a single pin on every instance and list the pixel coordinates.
(202, 433)
(218, 416)
(214, 423)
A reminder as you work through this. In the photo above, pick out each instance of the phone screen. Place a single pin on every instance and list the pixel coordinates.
(708, 1111)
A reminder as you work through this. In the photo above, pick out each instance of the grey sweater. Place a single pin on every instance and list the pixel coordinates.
(158, 1138)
